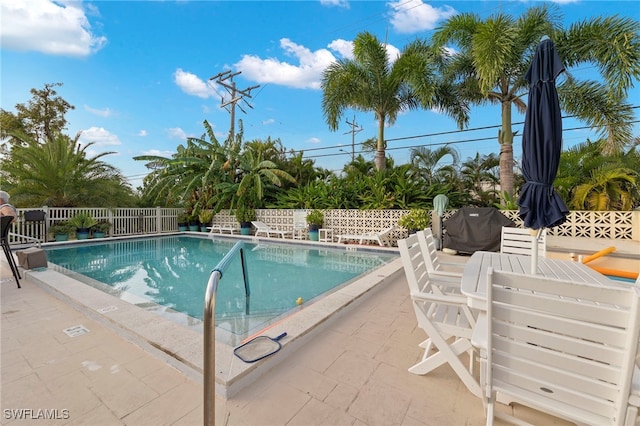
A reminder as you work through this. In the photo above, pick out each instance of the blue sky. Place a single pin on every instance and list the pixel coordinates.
(138, 72)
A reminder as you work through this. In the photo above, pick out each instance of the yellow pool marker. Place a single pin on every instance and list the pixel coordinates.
(299, 301)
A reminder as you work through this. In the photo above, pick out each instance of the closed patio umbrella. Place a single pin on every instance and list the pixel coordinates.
(540, 205)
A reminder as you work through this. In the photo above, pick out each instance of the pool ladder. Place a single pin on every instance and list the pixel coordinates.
(210, 328)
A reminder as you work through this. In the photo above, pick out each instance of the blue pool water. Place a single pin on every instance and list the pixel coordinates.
(623, 279)
(173, 271)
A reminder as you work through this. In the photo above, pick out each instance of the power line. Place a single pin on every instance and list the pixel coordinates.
(445, 143)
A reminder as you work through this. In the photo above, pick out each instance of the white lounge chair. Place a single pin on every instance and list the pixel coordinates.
(221, 229)
(266, 230)
(561, 347)
(377, 236)
(519, 241)
(443, 314)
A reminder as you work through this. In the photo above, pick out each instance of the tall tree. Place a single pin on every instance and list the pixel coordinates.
(372, 83)
(41, 118)
(494, 54)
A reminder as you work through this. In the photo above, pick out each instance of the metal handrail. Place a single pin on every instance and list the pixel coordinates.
(210, 328)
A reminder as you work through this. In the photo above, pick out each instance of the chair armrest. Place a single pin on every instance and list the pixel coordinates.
(479, 335)
(439, 273)
(448, 299)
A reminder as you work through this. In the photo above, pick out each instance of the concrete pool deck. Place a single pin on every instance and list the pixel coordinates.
(352, 372)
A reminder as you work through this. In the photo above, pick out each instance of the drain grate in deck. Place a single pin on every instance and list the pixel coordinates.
(76, 330)
(107, 309)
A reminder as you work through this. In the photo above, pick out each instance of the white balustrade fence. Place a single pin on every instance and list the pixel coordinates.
(132, 221)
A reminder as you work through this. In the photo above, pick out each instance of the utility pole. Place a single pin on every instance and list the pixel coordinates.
(236, 96)
(355, 128)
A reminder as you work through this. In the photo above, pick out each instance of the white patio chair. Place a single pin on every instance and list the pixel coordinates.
(518, 241)
(381, 237)
(435, 267)
(562, 347)
(443, 314)
(263, 228)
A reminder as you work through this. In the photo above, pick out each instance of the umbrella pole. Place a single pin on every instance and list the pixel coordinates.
(535, 234)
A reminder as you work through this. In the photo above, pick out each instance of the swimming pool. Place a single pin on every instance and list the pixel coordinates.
(172, 271)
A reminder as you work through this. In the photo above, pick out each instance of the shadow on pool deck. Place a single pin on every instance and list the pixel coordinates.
(353, 372)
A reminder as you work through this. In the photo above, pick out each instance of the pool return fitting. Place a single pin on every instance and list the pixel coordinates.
(209, 402)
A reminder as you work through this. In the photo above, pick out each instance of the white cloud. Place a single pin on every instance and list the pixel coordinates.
(177, 133)
(193, 85)
(143, 133)
(343, 47)
(106, 112)
(414, 15)
(313, 140)
(337, 3)
(268, 121)
(306, 75)
(99, 136)
(47, 26)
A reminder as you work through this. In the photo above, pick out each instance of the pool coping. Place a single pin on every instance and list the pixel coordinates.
(185, 345)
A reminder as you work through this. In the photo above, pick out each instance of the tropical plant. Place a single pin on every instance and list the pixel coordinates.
(432, 165)
(82, 220)
(183, 218)
(608, 188)
(205, 217)
(315, 217)
(101, 226)
(61, 228)
(415, 220)
(508, 202)
(589, 180)
(60, 173)
(373, 82)
(245, 214)
(493, 55)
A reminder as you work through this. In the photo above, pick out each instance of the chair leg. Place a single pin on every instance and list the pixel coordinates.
(12, 263)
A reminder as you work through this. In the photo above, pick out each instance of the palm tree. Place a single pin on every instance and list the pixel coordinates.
(493, 56)
(59, 173)
(431, 165)
(588, 180)
(370, 83)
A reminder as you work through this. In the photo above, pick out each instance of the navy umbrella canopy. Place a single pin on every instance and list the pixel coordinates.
(540, 204)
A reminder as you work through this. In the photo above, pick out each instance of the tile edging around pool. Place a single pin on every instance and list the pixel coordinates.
(185, 345)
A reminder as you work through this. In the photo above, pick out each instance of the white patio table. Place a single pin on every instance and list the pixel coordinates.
(474, 287)
(474, 277)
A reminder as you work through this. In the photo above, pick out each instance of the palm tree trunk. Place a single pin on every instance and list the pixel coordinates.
(380, 151)
(505, 138)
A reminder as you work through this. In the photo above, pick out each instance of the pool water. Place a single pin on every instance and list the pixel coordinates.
(173, 271)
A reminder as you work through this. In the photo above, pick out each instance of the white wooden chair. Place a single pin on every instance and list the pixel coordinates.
(435, 267)
(561, 347)
(380, 237)
(518, 241)
(443, 314)
(266, 230)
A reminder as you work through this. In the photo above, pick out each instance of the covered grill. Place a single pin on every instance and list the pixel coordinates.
(472, 229)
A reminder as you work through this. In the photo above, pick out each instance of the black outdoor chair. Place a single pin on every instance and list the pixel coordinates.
(5, 225)
(36, 216)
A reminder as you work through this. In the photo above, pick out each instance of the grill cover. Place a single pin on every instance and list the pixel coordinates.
(472, 229)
